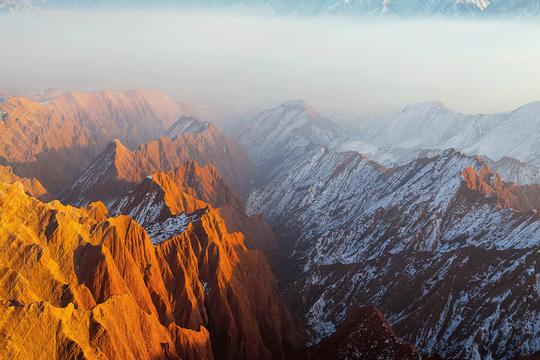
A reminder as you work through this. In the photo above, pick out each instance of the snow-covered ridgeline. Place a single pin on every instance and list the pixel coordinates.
(399, 237)
(510, 142)
(356, 225)
(400, 137)
(186, 125)
(145, 203)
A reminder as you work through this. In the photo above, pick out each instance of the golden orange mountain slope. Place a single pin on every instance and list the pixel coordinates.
(55, 141)
(75, 283)
(31, 186)
(118, 168)
(505, 195)
(204, 183)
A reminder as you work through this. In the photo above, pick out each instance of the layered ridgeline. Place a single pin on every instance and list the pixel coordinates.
(118, 168)
(510, 140)
(77, 283)
(169, 282)
(55, 140)
(504, 8)
(442, 244)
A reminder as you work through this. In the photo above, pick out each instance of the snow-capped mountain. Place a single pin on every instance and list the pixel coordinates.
(279, 136)
(509, 142)
(420, 7)
(186, 125)
(514, 170)
(502, 137)
(332, 7)
(432, 125)
(442, 245)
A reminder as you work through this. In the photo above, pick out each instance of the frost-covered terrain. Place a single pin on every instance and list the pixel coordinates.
(162, 231)
(278, 136)
(441, 244)
(16, 6)
(509, 142)
(406, 239)
(432, 126)
(146, 204)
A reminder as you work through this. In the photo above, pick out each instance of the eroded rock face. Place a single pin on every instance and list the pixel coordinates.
(163, 195)
(80, 283)
(31, 186)
(118, 168)
(490, 184)
(56, 140)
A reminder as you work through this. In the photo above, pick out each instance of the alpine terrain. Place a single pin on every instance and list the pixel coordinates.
(229, 219)
(130, 230)
(442, 244)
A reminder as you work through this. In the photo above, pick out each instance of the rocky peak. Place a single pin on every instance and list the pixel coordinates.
(186, 190)
(56, 141)
(365, 334)
(490, 184)
(120, 168)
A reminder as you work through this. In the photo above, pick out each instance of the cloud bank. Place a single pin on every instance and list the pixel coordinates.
(241, 62)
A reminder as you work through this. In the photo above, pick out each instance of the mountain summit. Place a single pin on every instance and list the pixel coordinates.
(285, 132)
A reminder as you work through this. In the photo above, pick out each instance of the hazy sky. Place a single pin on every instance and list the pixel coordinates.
(241, 62)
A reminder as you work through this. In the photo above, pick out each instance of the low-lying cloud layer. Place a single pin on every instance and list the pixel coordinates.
(241, 62)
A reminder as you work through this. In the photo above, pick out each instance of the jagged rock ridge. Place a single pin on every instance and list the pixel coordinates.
(356, 224)
(118, 168)
(80, 283)
(31, 186)
(162, 195)
(55, 140)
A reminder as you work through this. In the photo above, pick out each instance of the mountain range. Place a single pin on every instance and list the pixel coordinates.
(131, 229)
(441, 243)
(507, 142)
(55, 139)
(76, 279)
(117, 167)
(406, 8)
(510, 141)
